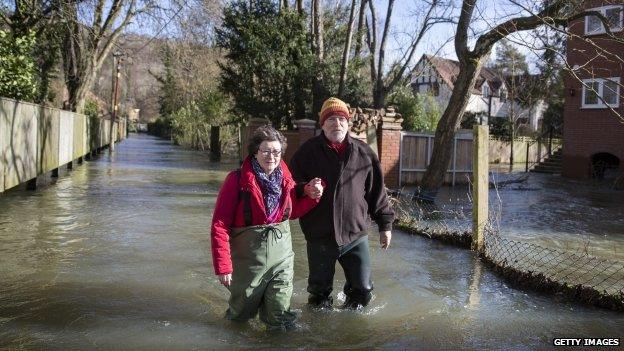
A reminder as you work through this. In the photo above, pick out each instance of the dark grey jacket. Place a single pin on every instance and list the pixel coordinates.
(354, 193)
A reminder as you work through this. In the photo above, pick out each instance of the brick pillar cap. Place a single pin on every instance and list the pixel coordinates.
(258, 121)
(391, 123)
(305, 123)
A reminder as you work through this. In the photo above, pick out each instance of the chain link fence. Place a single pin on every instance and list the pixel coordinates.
(575, 275)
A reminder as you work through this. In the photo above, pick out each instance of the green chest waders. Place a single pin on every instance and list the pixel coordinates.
(262, 259)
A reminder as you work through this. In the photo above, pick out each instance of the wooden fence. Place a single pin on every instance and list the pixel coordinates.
(36, 139)
(416, 151)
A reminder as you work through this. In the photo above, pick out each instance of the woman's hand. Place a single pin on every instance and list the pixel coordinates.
(314, 188)
(225, 279)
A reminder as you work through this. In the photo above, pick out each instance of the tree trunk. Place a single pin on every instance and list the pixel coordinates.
(359, 35)
(345, 53)
(449, 124)
(470, 62)
(300, 107)
(379, 94)
(300, 7)
(215, 143)
(318, 91)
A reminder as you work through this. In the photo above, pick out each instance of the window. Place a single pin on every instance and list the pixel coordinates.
(601, 92)
(613, 14)
(485, 90)
(435, 89)
(503, 95)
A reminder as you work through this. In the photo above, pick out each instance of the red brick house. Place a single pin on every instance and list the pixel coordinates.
(593, 133)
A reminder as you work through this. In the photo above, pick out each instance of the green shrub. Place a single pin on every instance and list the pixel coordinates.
(18, 72)
(420, 112)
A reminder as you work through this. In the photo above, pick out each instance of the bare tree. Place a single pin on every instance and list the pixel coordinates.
(435, 12)
(556, 12)
(85, 48)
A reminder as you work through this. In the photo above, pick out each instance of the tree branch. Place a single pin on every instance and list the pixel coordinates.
(428, 23)
(461, 37)
(97, 14)
(487, 40)
(114, 12)
(4, 17)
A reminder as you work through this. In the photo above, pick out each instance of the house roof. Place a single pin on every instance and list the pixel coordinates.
(449, 69)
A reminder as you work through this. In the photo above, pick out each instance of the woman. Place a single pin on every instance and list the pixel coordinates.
(251, 243)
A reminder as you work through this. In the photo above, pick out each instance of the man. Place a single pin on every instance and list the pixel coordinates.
(336, 229)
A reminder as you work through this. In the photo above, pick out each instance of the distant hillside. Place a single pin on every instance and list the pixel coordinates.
(139, 89)
(194, 65)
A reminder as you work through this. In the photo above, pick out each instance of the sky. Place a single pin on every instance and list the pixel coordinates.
(405, 20)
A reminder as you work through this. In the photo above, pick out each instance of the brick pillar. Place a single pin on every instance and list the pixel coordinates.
(307, 129)
(252, 125)
(390, 148)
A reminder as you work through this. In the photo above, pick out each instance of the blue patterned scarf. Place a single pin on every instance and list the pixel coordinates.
(271, 186)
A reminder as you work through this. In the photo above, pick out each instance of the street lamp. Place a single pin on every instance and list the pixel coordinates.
(117, 60)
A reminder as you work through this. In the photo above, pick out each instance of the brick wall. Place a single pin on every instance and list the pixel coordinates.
(390, 150)
(590, 131)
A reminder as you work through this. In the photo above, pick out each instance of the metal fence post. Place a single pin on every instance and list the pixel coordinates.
(526, 161)
(550, 138)
(480, 187)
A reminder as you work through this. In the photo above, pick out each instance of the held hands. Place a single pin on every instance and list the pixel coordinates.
(314, 189)
(225, 279)
(384, 239)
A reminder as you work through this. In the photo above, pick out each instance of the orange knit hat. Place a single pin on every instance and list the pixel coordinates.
(333, 107)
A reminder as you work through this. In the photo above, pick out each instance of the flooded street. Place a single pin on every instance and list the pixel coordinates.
(548, 210)
(116, 256)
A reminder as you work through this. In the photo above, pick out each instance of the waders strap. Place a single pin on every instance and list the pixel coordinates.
(246, 196)
(246, 207)
(286, 214)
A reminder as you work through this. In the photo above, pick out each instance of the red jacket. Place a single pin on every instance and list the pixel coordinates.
(228, 211)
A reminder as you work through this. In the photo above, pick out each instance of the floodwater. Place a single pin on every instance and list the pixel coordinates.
(585, 217)
(116, 256)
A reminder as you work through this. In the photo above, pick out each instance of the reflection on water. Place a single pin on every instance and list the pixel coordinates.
(548, 210)
(115, 255)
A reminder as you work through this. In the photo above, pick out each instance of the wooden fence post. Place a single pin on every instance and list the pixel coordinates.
(480, 181)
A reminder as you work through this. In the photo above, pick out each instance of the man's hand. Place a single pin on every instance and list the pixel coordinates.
(314, 189)
(225, 279)
(384, 239)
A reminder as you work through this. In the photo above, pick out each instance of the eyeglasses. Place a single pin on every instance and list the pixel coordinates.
(336, 119)
(267, 153)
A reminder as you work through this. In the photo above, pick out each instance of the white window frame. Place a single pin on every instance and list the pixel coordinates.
(485, 90)
(600, 103)
(503, 94)
(603, 10)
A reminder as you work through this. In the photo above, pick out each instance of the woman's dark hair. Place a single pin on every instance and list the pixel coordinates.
(265, 133)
